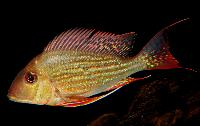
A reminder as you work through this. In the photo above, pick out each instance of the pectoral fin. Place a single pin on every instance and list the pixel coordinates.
(76, 101)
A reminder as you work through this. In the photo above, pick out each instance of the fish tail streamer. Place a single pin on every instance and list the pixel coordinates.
(156, 53)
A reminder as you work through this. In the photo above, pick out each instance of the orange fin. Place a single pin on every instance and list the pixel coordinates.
(75, 101)
(81, 101)
(126, 81)
(156, 53)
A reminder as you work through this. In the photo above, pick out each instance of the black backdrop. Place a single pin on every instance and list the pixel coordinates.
(27, 27)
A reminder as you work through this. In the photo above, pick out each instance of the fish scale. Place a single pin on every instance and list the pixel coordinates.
(85, 68)
(80, 63)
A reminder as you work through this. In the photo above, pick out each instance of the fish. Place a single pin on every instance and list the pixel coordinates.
(81, 66)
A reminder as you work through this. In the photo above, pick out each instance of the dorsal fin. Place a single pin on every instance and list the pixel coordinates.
(89, 40)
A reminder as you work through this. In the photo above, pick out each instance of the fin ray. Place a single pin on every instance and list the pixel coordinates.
(85, 100)
(156, 53)
(89, 40)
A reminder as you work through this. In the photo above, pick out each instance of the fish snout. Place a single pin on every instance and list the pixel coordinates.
(19, 90)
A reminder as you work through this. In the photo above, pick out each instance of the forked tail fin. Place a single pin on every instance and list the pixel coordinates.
(156, 54)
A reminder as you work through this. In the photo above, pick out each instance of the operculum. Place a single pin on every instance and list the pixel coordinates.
(44, 92)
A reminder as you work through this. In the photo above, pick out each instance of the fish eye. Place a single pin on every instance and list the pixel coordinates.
(30, 77)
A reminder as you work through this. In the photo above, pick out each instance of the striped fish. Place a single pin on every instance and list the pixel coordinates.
(81, 66)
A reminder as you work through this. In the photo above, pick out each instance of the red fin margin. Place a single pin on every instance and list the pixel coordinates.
(156, 53)
(76, 101)
(90, 40)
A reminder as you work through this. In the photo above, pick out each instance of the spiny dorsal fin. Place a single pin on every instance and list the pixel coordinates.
(89, 40)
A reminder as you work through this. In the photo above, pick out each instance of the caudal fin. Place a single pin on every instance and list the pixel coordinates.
(156, 53)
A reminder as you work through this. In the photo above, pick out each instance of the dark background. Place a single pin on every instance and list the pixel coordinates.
(26, 28)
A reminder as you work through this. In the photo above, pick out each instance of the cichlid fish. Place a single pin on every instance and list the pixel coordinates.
(81, 63)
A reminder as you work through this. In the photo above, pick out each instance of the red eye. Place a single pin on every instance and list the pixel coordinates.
(30, 77)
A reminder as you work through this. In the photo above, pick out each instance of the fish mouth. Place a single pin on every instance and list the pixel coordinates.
(15, 99)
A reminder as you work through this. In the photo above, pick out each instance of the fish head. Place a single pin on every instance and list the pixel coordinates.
(31, 85)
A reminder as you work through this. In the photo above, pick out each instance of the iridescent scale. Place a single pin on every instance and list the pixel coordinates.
(75, 73)
(84, 62)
